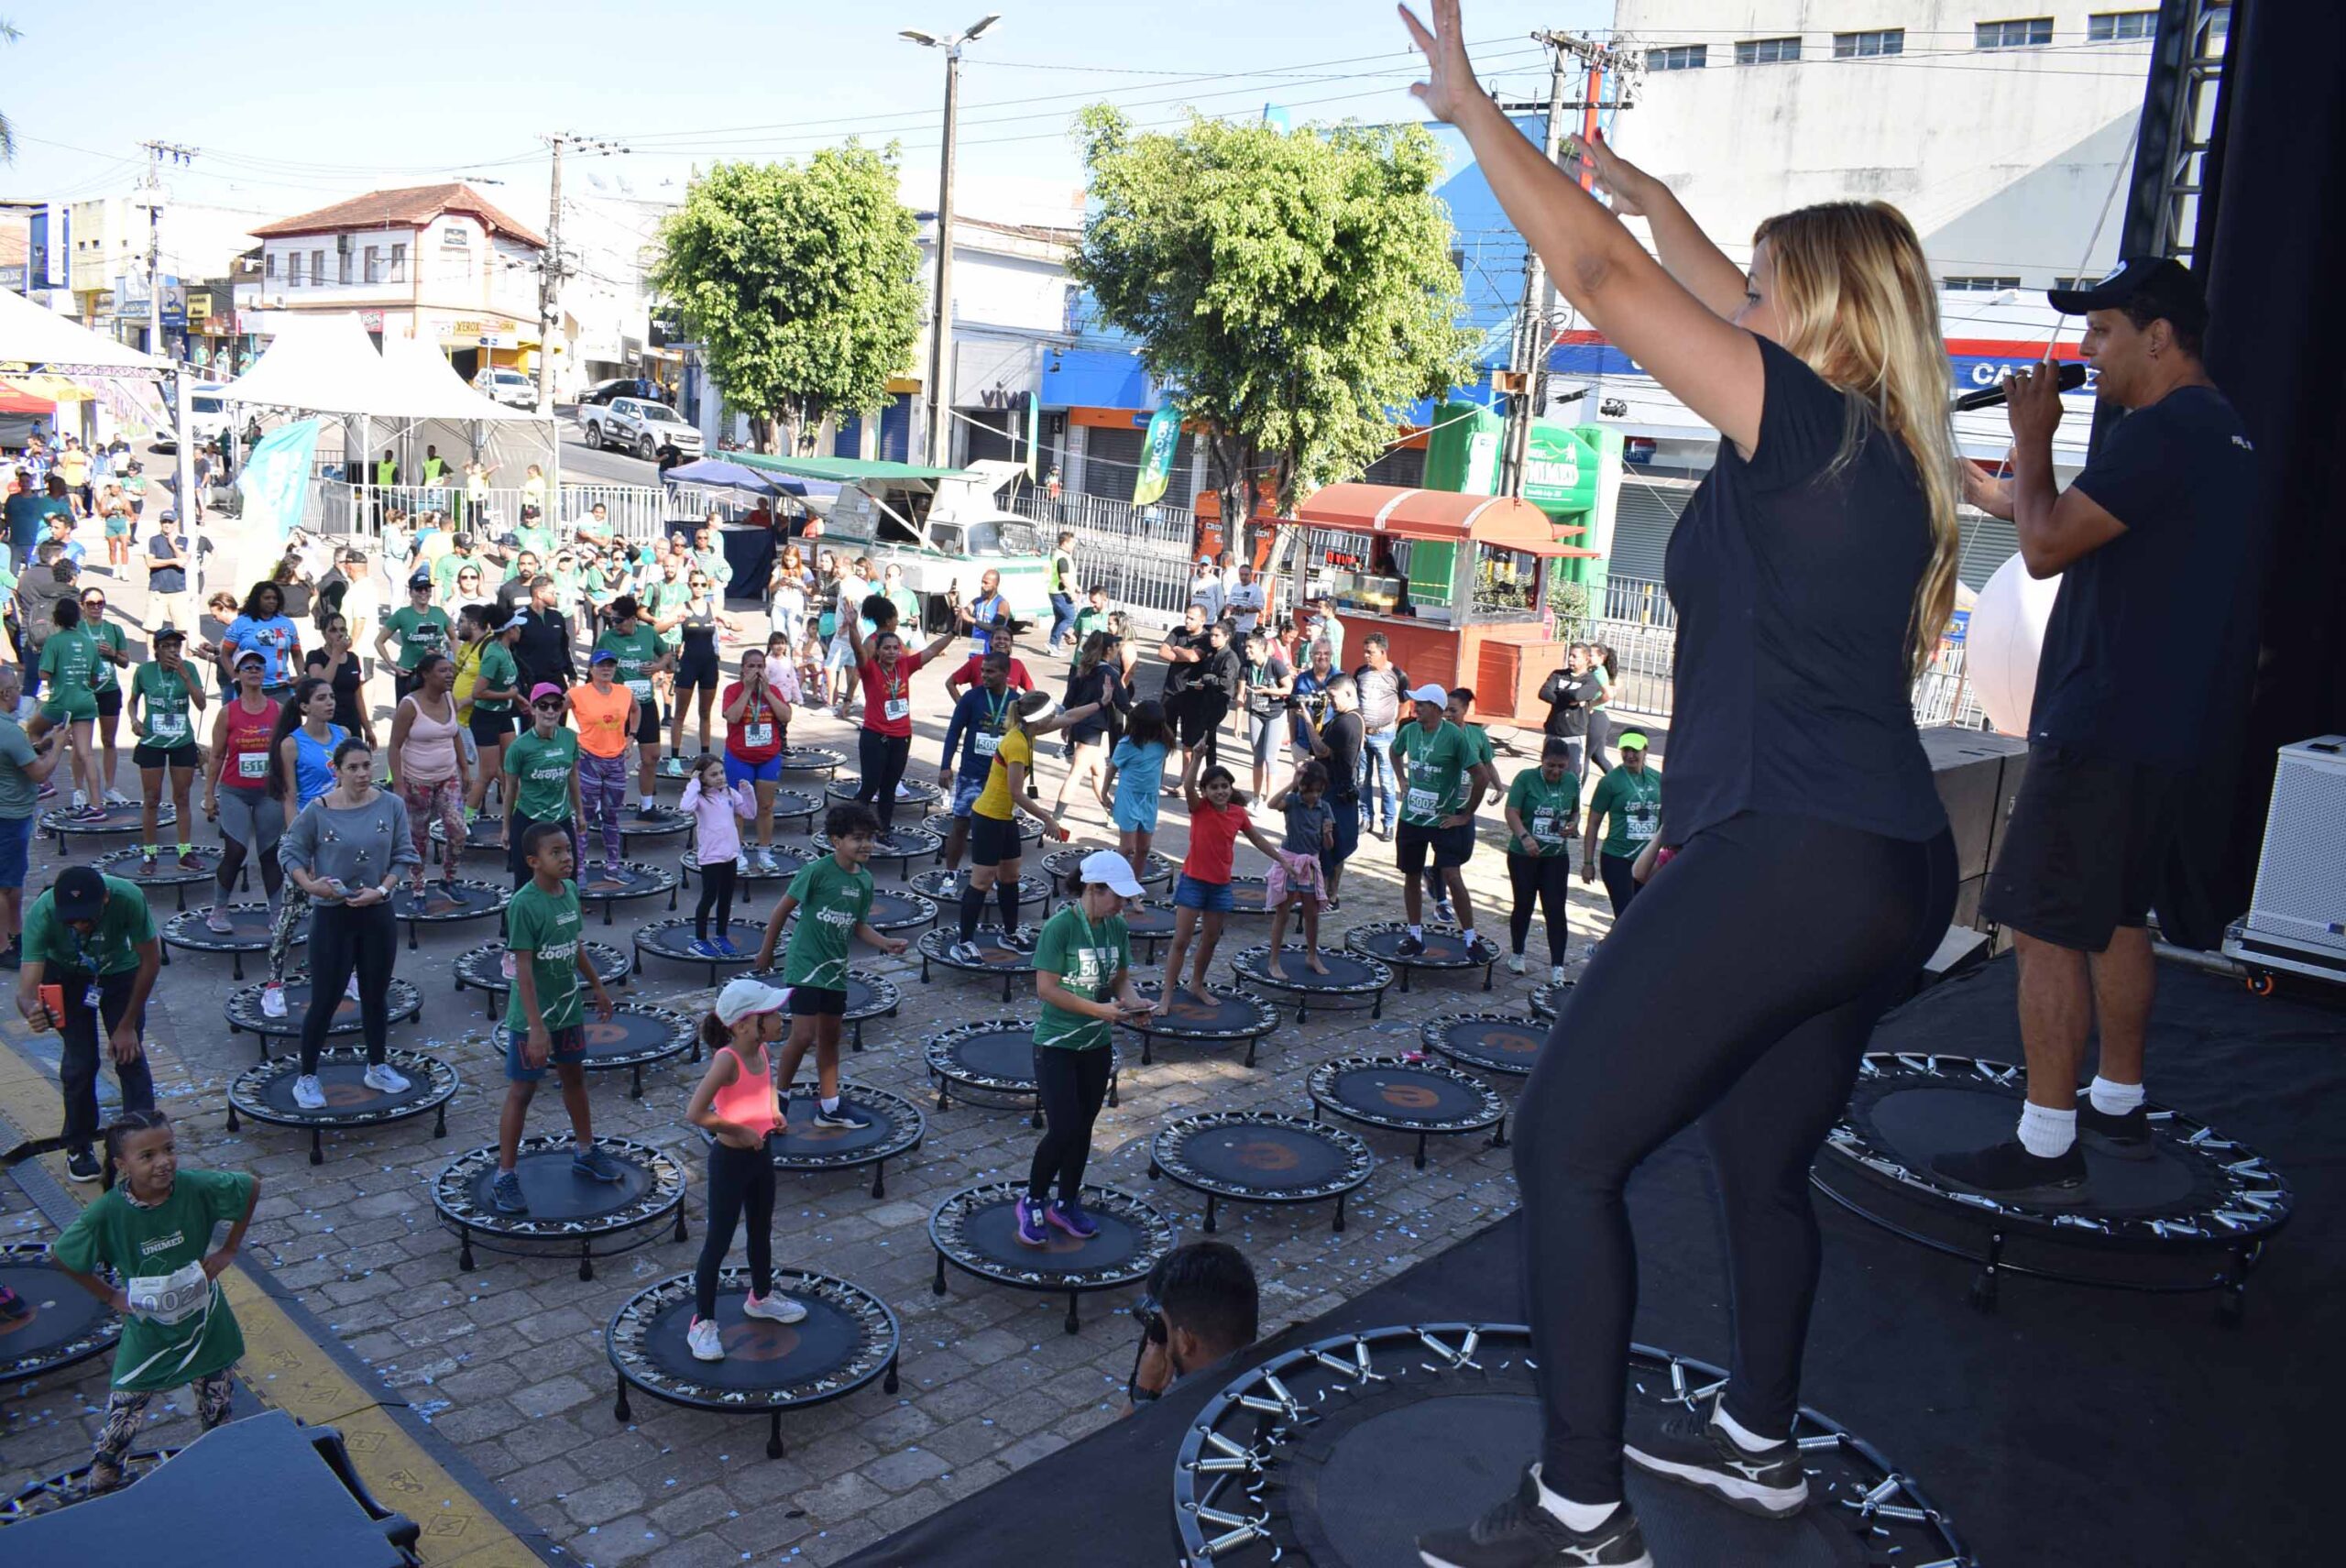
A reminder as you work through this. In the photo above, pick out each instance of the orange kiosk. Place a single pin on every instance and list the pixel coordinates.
(1458, 584)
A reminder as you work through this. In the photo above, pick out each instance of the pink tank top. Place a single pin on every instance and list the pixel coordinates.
(430, 754)
(748, 1101)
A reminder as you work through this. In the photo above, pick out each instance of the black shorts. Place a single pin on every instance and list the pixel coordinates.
(404, 686)
(2083, 849)
(489, 728)
(1451, 846)
(993, 840)
(145, 756)
(697, 671)
(647, 720)
(110, 702)
(815, 1002)
(1198, 714)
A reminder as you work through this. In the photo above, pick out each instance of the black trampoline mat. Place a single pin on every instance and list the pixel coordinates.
(675, 941)
(1007, 1054)
(117, 820)
(1153, 918)
(126, 863)
(891, 909)
(933, 884)
(1406, 1095)
(863, 998)
(917, 792)
(553, 1193)
(991, 953)
(481, 833)
(991, 1232)
(1228, 1016)
(1347, 972)
(760, 1356)
(346, 1091)
(806, 1141)
(1918, 1122)
(62, 1312)
(794, 803)
(1442, 947)
(625, 881)
(1507, 1043)
(483, 967)
(663, 819)
(809, 759)
(401, 999)
(1265, 1158)
(442, 901)
(250, 925)
(632, 1034)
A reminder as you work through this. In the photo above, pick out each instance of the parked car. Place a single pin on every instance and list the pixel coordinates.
(635, 425)
(508, 387)
(602, 392)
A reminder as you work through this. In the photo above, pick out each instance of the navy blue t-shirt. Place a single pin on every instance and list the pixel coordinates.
(2180, 475)
(978, 714)
(1794, 587)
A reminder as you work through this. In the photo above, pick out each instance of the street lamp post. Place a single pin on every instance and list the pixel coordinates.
(940, 331)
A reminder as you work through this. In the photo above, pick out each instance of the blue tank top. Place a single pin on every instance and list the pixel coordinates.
(313, 763)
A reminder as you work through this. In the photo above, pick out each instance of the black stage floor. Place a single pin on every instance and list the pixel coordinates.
(2073, 1426)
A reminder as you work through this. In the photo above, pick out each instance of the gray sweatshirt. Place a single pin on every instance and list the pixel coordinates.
(361, 845)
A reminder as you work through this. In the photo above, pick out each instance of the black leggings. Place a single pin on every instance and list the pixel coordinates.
(1073, 1084)
(715, 890)
(884, 758)
(1620, 886)
(1548, 880)
(1750, 1028)
(740, 1181)
(343, 942)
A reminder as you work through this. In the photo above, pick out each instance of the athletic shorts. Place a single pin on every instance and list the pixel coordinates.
(489, 728)
(966, 792)
(251, 818)
(1213, 897)
(2083, 849)
(145, 756)
(1451, 846)
(993, 840)
(697, 672)
(16, 844)
(69, 708)
(1199, 713)
(738, 772)
(569, 1049)
(816, 1002)
(647, 722)
(110, 702)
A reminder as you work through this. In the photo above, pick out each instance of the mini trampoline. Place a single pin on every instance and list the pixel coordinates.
(662, 821)
(897, 1127)
(944, 888)
(795, 806)
(609, 884)
(917, 793)
(250, 925)
(869, 995)
(126, 864)
(265, 1093)
(811, 759)
(567, 1212)
(1061, 864)
(1422, 1099)
(1492, 1042)
(67, 1487)
(788, 863)
(1547, 1000)
(402, 1000)
(892, 910)
(1236, 1015)
(848, 1338)
(483, 968)
(2193, 1215)
(484, 835)
(995, 957)
(635, 1036)
(1340, 1453)
(59, 821)
(1149, 924)
(941, 823)
(448, 903)
(1260, 1156)
(994, 1057)
(901, 844)
(66, 1326)
(976, 1231)
(1252, 893)
(1349, 977)
(673, 939)
(1446, 950)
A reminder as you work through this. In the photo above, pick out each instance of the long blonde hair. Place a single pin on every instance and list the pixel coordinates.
(1857, 306)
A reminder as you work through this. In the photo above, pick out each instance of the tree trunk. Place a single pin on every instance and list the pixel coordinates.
(763, 435)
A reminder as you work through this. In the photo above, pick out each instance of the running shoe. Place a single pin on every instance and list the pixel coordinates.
(842, 1115)
(1017, 941)
(14, 1309)
(1519, 1533)
(309, 1093)
(90, 813)
(965, 953)
(1555, 974)
(385, 1079)
(702, 947)
(1514, 964)
(766, 862)
(774, 1309)
(505, 1192)
(701, 1339)
(46, 792)
(81, 802)
(2127, 1136)
(82, 1165)
(1410, 947)
(725, 946)
(673, 768)
(188, 862)
(1481, 950)
(147, 863)
(351, 988)
(1694, 1450)
(508, 964)
(2007, 1171)
(904, 790)
(1444, 911)
(1070, 1218)
(1032, 1230)
(115, 797)
(647, 811)
(216, 921)
(472, 814)
(594, 1165)
(272, 1000)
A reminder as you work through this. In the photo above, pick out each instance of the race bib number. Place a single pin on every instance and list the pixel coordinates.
(167, 725)
(757, 735)
(896, 708)
(1543, 828)
(1422, 802)
(642, 690)
(170, 1298)
(989, 744)
(253, 766)
(1645, 818)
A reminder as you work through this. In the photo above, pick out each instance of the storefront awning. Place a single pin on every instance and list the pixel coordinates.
(843, 470)
(1402, 513)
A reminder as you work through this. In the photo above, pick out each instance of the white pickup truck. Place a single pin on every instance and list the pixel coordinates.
(639, 425)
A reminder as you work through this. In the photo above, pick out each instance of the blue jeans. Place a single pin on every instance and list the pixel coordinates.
(1062, 618)
(1382, 781)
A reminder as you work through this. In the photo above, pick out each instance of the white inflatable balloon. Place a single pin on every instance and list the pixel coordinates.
(2006, 634)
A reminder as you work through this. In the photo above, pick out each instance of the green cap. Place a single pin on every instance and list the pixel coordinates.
(1630, 740)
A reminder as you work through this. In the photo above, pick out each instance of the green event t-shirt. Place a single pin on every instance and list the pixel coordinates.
(170, 719)
(544, 768)
(662, 599)
(497, 670)
(1087, 621)
(20, 796)
(112, 948)
(1086, 956)
(107, 635)
(445, 570)
(537, 541)
(1630, 806)
(1484, 751)
(419, 632)
(832, 900)
(637, 651)
(68, 661)
(547, 926)
(1551, 811)
(1433, 770)
(136, 1241)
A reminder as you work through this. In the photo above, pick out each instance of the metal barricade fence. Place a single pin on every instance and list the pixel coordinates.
(635, 511)
(1142, 556)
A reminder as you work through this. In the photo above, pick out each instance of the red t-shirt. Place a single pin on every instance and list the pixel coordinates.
(970, 673)
(1214, 836)
(888, 699)
(763, 714)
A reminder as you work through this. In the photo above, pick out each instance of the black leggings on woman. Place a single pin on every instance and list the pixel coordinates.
(715, 890)
(1748, 1026)
(1620, 880)
(345, 941)
(1073, 1084)
(884, 758)
(1548, 880)
(740, 1182)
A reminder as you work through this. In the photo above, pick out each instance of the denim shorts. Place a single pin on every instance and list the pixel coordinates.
(569, 1049)
(738, 772)
(1214, 897)
(966, 792)
(16, 842)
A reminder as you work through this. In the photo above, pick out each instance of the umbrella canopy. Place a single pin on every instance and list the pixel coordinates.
(718, 474)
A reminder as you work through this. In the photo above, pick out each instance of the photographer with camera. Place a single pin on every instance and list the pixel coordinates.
(1270, 692)
(1201, 1307)
(1336, 737)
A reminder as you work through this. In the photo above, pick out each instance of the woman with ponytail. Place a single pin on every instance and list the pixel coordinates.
(736, 1106)
(1813, 574)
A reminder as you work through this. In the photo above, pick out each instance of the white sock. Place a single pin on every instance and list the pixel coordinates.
(830, 1103)
(2046, 1134)
(1419, 932)
(2114, 1098)
(1580, 1516)
(1467, 936)
(1744, 1437)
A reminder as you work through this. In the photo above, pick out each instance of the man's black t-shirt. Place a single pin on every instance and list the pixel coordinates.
(1794, 579)
(2179, 474)
(1180, 675)
(1568, 696)
(1343, 735)
(542, 650)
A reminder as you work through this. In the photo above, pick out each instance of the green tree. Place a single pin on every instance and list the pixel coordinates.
(1294, 288)
(801, 282)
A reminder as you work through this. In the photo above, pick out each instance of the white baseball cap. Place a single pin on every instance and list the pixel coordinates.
(1431, 693)
(1111, 870)
(741, 998)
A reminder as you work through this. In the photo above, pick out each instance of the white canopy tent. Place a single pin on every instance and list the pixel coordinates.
(34, 341)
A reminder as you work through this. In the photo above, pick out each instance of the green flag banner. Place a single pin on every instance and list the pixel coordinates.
(1156, 456)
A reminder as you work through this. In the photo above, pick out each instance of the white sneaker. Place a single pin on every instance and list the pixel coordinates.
(1514, 964)
(308, 1093)
(506, 965)
(904, 791)
(1555, 974)
(115, 797)
(81, 800)
(350, 988)
(700, 1338)
(774, 1309)
(272, 1000)
(384, 1078)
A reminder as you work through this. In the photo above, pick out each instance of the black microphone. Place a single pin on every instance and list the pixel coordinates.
(2070, 377)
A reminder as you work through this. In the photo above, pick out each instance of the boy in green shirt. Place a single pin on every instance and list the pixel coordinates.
(1486, 776)
(1442, 773)
(834, 895)
(546, 1019)
(638, 652)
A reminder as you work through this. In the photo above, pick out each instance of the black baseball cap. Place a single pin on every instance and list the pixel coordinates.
(79, 894)
(2168, 286)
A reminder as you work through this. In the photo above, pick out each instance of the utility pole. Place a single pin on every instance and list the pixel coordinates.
(551, 268)
(152, 202)
(940, 330)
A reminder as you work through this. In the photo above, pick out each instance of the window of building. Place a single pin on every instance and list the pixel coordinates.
(1867, 45)
(374, 264)
(292, 269)
(1977, 284)
(317, 269)
(398, 264)
(341, 267)
(268, 268)
(1766, 51)
(2120, 26)
(2026, 33)
(1679, 57)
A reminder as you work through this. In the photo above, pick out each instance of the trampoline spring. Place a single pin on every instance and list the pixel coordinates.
(1920, 1064)
(1695, 1397)
(1451, 1360)
(1243, 1466)
(1287, 1401)
(2081, 1222)
(1241, 1531)
(1882, 1491)
(2259, 1199)
(1977, 1202)
(1903, 1515)
(1816, 1444)
(2162, 1229)
(2251, 1167)
(2235, 1219)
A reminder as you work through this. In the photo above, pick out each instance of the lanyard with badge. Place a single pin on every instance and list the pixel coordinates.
(759, 731)
(988, 738)
(167, 708)
(894, 704)
(1096, 957)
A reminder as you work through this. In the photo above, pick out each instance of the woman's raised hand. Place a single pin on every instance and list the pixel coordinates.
(1450, 83)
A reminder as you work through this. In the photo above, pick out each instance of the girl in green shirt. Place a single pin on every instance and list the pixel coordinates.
(1542, 812)
(106, 636)
(69, 662)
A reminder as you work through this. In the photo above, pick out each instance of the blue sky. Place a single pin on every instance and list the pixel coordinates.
(299, 105)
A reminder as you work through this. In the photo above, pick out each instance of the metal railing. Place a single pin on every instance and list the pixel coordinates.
(636, 511)
(1141, 555)
(1641, 601)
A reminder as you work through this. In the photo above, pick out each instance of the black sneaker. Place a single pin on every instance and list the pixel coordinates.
(1411, 946)
(2127, 1136)
(1690, 1447)
(1519, 1533)
(1017, 941)
(82, 1165)
(1481, 950)
(2008, 1173)
(846, 1117)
